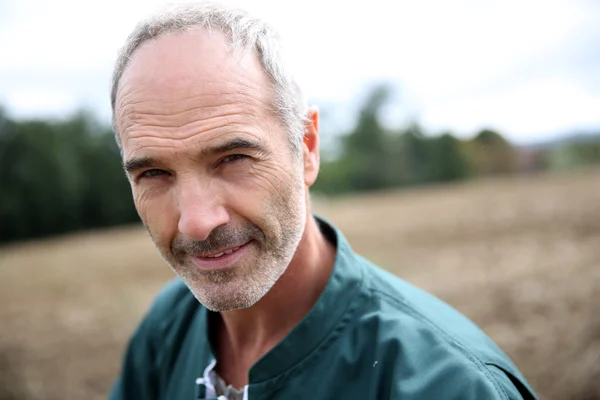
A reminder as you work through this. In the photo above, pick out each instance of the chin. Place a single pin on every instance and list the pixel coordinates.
(235, 288)
(226, 297)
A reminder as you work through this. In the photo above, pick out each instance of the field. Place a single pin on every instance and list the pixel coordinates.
(519, 256)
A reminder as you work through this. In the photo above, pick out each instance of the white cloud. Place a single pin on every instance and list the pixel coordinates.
(529, 111)
(462, 64)
(45, 101)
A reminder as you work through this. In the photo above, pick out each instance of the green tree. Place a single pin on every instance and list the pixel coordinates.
(60, 176)
(366, 154)
(373, 157)
(491, 154)
(448, 161)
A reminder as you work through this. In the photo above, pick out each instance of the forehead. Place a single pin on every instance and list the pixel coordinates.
(193, 69)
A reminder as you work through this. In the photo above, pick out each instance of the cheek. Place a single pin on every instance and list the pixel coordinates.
(267, 196)
(274, 178)
(158, 212)
(244, 198)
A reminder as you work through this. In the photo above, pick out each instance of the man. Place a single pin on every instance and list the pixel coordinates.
(271, 302)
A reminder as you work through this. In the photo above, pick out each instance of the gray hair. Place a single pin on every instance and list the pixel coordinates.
(242, 31)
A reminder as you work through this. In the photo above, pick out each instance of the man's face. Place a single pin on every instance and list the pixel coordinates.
(213, 175)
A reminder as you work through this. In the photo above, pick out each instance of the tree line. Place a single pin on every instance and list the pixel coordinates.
(372, 156)
(60, 176)
(64, 175)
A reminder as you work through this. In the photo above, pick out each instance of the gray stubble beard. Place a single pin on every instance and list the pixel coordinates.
(243, 286)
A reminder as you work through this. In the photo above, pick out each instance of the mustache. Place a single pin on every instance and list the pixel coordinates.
(221, 238)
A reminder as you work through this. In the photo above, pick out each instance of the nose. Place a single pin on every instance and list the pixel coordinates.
(201, 209)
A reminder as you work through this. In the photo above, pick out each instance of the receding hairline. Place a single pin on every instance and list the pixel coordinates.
(242, 31)
(234, 52)
(260, 88)
(120, 72)
(179, 18)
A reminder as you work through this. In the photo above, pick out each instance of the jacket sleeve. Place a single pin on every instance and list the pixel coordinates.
(454, 378)
(138, 378)
(514, 388)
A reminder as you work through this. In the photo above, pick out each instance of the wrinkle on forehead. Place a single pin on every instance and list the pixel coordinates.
(153, 126)
(175, 91)
(192, 136)
(192, 147)
(196, 110)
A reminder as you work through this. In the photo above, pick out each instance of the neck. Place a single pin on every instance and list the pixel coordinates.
(246, 335)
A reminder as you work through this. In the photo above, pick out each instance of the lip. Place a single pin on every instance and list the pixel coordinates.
(225, 261)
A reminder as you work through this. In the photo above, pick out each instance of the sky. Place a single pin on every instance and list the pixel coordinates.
(527, 68)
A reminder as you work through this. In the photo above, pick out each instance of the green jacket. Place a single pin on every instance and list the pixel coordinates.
(369, 336)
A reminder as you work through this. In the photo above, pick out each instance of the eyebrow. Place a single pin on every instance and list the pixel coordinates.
(233, 144)
(137, 163)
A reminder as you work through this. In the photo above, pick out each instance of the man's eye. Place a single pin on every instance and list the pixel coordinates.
(233, 158)
(152, 173)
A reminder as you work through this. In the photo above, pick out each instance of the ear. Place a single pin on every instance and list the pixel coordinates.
(310, 146)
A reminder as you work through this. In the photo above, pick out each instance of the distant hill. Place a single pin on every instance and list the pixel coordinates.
(576, 138)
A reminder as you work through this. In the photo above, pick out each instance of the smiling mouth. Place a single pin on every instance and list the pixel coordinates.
(214, 255)
(221, 254)
(222, 259)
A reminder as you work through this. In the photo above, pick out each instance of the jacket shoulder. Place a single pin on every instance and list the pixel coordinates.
(410, 318)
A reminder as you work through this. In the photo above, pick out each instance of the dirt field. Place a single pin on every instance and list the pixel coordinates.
(520, 256)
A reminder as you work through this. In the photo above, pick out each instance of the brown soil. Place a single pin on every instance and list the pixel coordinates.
(519, 256)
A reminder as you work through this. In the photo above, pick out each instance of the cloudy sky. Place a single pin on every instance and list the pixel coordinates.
(529, 68)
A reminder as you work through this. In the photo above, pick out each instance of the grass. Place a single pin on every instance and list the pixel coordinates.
(519, 256)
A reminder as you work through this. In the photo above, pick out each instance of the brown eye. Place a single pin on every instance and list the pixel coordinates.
(233, 158)
(152, 173)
